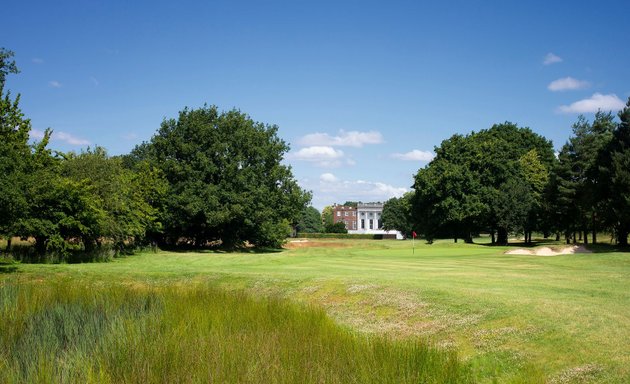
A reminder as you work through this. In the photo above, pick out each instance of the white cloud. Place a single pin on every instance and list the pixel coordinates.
(567, 84)
(415, 155)
(59, 136)
(130, 136)
(552, 59)
(328, 178)
(94, 81)
(593, 104)
(70, 139)
(54, 84)
(323, 156)
(37, 60)
(330, 190)
(343, 139)
(36, 134)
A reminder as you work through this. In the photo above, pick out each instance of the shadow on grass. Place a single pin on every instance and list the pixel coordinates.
(519, 244)
(219, 249)
(606, 248)
(594, 248)
(8, 267)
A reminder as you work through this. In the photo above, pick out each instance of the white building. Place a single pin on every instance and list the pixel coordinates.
(369, 220)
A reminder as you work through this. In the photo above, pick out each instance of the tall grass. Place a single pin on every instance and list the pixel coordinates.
(67, 332)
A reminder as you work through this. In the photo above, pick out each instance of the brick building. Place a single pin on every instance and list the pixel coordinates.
(345, 214)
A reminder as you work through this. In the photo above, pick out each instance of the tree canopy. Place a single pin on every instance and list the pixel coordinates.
(488, 180)
(310, 221)
(397, 214)
(226, 180)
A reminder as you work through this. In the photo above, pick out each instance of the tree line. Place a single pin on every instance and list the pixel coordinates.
(508, 180)
(207, 177)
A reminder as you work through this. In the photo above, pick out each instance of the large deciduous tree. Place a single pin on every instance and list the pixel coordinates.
(15, 152)
(489, 180)
(226, 179)
(397, 214)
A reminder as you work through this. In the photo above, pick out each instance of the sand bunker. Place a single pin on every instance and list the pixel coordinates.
(547, 251)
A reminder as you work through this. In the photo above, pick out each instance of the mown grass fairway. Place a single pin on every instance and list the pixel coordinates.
(512, 318)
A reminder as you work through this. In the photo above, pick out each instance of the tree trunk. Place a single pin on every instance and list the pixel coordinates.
(594, 226)
(575, 238)
(9, 244)
(557, 236)
(455, 240)
(468, 238)
(40, 244)
(622, 237)
(493, 241)
(585, 236)
(502, 236)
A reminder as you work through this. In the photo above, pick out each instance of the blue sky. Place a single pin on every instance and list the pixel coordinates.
(362, 90)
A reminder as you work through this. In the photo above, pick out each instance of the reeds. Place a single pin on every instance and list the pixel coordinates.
(68, 332)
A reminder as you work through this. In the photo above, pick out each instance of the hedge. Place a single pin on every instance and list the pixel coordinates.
(340, 236)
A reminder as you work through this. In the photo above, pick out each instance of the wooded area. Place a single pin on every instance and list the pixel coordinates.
(207, 177)
(211, 177)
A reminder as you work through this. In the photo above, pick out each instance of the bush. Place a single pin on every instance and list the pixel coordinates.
(338, 227)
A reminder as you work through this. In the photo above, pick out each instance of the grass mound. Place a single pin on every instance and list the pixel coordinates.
(68, 332)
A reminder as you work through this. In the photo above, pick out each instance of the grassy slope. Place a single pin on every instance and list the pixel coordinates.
(567, 317)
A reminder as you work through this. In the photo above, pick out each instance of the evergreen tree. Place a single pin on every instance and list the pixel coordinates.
(614, 178)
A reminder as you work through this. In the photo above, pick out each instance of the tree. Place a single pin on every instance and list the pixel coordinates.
(614, 178)
(125, 202)
(327, 216)
(466, 187)
(15, 153)
(536, 181)
(577, 175)
(226, 180)
(310, 221)
(397, 214)
(7, 66)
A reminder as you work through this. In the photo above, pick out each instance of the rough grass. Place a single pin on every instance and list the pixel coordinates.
(513, 318)
(69, 332)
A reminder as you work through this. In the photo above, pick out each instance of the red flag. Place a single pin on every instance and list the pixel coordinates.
(413, 233)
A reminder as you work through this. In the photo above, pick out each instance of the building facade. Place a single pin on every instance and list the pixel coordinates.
(369, 221)
(345, 214)
(369, 216)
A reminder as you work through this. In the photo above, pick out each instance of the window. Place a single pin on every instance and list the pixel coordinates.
(371, 224)
(338, 213)
(362, 223)
(354, 213)
(345, 213)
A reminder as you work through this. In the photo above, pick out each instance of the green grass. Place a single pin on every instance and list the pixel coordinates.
(70, 332)
(512, 318)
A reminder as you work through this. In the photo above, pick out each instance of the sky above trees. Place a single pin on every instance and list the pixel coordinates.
(362, 91)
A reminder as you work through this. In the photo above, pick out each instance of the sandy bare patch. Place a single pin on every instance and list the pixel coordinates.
(306, 243)
(548, 251)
